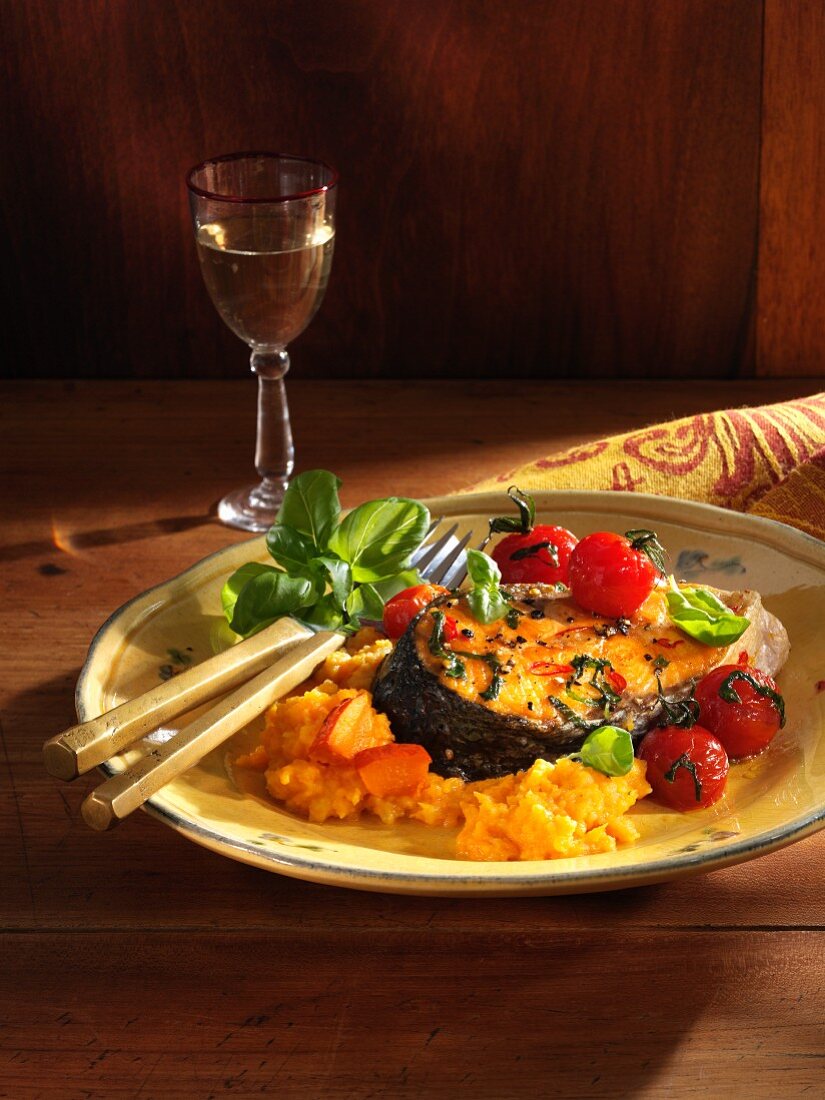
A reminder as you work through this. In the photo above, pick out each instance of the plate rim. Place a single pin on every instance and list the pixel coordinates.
(552, 878)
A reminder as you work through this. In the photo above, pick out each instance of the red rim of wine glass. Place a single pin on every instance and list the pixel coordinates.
(216, 196)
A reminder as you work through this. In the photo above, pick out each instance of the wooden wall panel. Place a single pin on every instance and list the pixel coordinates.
(537, 188)
(791, 313)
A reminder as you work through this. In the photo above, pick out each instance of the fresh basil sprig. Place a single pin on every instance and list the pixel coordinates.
(265, 598)
(703, 616)
(311, 505)
(291, 549)
(332, 573)
(234, 586)
(608, 749)
(378, 537)
(486, 600)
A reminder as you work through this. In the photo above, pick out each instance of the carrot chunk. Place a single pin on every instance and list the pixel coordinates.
(392, 769)
(345, 731)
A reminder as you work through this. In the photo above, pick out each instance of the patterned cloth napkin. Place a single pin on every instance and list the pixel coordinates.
(768, 460)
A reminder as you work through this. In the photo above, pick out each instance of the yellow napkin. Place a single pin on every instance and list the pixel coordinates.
(768, 460)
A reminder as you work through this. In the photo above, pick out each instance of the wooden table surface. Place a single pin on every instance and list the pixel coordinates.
(137, 964)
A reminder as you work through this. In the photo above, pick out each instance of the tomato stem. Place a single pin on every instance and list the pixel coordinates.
(648, 543)
(527, 514)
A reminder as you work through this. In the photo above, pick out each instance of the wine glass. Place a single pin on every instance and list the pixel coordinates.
(265, 231)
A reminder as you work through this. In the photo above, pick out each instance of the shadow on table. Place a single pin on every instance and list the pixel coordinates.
(35, 714)
(106, 536)
(584, 995)
(506, 1003)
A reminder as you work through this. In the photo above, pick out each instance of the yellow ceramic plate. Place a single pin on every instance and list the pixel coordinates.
(770, 801)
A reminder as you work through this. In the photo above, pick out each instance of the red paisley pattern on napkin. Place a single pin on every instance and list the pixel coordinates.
(769, 460)
(672, 450)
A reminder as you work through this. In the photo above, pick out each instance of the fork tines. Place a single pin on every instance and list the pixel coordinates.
(443, 561)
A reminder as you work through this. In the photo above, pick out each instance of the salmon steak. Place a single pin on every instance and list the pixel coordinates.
(487, 700)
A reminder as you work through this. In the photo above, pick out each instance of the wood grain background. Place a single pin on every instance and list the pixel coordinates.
(547, 188)
(138, 966)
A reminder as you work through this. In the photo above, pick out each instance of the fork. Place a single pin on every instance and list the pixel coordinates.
(297, 652)
(443, 561)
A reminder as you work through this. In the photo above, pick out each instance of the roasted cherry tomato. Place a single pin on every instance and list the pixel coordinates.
(745, 727)
(400, 611)
(687, 768)
(609, 576)
(539, 557)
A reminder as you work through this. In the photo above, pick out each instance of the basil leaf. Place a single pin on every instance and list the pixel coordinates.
(482, 569)
(728, 692)
(367, 600)
(340, 577)
(221, 635)
(290, 549)
(365, 603)
(267, 597)
(311, 505)
(388, 587)
(534, 550)
(701, 615)
(378, 537)
(608, 750)
(233, 586)
(454, 667)
(326, 614)
(297, 554)
(684, 761)
(485, 599)
(324, 562)
(487, 605)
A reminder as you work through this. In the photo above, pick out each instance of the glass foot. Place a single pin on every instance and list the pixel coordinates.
(254, 507)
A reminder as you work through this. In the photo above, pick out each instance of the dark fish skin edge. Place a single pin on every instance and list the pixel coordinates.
(471, 741)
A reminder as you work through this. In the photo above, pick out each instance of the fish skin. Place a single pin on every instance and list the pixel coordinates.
(476, 739)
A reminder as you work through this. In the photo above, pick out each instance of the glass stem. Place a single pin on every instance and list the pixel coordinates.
(274, 453)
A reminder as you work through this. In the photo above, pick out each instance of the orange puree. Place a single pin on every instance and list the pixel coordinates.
(549, 811)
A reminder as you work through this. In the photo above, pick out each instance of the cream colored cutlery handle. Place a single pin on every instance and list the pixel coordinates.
(119, 796)
(81, 748)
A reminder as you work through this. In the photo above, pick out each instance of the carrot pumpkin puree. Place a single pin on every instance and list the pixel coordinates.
(327, 753)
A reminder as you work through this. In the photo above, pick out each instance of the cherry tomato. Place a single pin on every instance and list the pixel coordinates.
(524, 559)
(609, 577)
(400, 611)
(687, 768)
(744, 728)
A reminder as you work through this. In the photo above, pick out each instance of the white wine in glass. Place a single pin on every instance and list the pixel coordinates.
(265, 278)
(265, 232)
